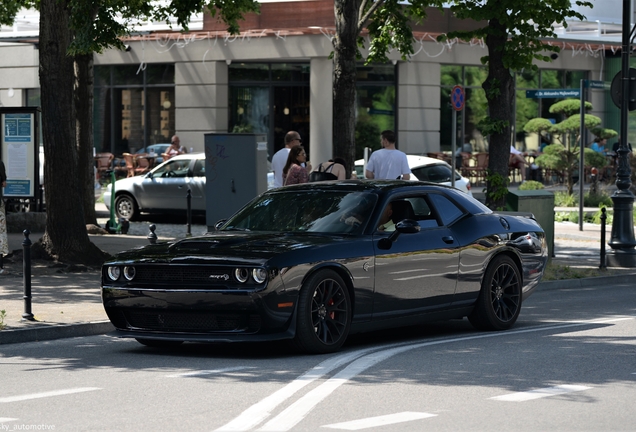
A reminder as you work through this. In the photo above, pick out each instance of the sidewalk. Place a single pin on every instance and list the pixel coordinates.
(68, 304)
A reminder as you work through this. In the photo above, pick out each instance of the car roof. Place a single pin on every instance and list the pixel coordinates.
(188, 156)
(416, 161)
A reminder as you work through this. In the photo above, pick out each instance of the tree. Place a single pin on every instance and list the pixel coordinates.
(75, 29)
(564, 156)
(389, 25)
(514, 34)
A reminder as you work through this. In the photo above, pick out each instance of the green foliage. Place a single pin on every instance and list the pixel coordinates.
(603, 133)
(538, 125)
(572, 125)
(97, 26)
(389, 25)
(564, 199)
(497, 188)
(594, 159)
(367, 133)
(609, 217)
(531, 185)
(569, 107)
(242, 128)
(489, 126)
(599, 199)
(3, 314)
(526, 25)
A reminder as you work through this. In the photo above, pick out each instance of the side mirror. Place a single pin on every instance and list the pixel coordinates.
(219, 224)
(149, 174)
(407, 226)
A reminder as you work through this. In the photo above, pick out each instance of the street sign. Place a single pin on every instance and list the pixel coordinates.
(616, 91)
(596, 84)
(457, 98)
(553, 93)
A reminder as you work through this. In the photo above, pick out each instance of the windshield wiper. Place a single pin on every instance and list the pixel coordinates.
(236, 229)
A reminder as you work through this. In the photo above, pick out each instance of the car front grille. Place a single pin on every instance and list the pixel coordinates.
(192, 322)
(163, 273)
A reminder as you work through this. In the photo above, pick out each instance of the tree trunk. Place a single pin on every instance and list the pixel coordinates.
(65, 237)
(344, 80)
(84, 129)
(499, 88)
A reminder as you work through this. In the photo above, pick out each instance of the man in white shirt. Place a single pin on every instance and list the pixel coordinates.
(279, 160)
(388, 162)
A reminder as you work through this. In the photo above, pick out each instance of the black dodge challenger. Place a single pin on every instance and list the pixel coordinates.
(316, 262)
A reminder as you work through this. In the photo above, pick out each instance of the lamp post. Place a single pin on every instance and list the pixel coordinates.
(622, 239)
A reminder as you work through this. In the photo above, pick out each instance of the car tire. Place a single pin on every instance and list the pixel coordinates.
(499, 301)
(126, 207)
(323, 313)
(156, 343)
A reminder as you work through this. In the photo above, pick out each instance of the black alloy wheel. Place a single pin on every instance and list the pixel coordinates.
(324, 313)
(499, 301)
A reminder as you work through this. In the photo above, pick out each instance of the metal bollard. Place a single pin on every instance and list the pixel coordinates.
(152, 237)
(603, 219)
(26, 271)
(189, 214)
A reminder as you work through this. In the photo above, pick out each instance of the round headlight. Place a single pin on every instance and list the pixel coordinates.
(259, 275)
(241, 274)
(129, 273)
(114, 273)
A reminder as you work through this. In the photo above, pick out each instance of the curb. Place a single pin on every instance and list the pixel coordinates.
(43, 333)
(586, 282)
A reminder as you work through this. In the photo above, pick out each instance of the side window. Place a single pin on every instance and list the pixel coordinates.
(199, 168)
(448, 212)
(423, 214)
(174, 168)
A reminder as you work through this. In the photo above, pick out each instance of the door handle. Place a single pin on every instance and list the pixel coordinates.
(448, 239)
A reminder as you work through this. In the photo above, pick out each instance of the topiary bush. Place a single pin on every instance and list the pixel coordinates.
(531, 185)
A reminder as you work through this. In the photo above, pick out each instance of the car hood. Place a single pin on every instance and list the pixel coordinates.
(233, 247)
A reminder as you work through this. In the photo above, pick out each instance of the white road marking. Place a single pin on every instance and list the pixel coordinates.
(298, 410)
(380, 421)
(47, 394)
(258, 412)
(6, 419)
(209, 372)
(540, 393)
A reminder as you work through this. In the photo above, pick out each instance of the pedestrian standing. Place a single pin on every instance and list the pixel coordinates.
(388, 162)
(279, 160)
(294, 172)
(4, 241)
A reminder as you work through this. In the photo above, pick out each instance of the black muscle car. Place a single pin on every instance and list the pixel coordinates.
(316, 262)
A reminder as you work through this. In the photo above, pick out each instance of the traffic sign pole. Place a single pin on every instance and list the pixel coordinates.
(457, 101)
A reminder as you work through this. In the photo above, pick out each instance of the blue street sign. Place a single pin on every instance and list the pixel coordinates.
(553, 93)
(457, 98)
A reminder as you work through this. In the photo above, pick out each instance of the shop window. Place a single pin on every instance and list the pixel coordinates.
(136, 111)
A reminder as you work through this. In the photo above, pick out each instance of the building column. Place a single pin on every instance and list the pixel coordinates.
(321, 110)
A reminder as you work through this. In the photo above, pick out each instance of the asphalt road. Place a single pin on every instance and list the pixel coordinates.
(568, 365)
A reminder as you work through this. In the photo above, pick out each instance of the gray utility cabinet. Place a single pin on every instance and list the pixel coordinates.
(235, 172)
(541, 204)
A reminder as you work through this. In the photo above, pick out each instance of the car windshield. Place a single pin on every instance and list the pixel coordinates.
(318, 211)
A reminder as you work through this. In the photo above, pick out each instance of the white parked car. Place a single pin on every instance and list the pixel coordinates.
(428, 169)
